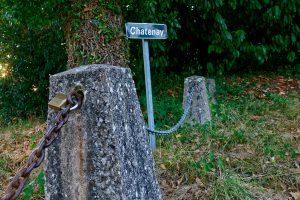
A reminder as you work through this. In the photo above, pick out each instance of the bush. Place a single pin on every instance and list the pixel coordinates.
(215, 36)
(32, 44)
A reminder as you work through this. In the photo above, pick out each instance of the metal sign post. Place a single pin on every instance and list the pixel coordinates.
(147, 31)
(148, 91)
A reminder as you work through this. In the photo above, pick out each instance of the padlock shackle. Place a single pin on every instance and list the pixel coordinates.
(75, 106)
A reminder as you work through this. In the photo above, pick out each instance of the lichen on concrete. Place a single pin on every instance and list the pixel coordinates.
(211, 90)
(103, 151)
(199, 111)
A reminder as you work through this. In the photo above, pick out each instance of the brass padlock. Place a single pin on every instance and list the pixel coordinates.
(58, 102)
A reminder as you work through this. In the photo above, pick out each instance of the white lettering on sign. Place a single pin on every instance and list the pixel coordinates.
(142, 31)
(146, 31)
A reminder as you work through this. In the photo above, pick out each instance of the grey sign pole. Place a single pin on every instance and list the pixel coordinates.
(147, 31)
(148, 92)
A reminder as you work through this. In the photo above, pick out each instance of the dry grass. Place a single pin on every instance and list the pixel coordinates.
(17, 142)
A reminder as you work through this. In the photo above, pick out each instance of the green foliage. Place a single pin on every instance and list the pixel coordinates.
(34, 187)
(41, 182)
(211, 37)
(210, 163)
(231, 186)
(280, 101)
(28, 191)
(214, 37)
(238, 137)
(291, 56)
(33, 37)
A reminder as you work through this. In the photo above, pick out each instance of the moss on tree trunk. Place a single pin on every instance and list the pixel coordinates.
(94, 34)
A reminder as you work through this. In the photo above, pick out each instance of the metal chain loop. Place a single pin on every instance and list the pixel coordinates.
(182, 119)
(36, 158)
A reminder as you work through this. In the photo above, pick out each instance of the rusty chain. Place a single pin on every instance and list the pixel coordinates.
(36, 158)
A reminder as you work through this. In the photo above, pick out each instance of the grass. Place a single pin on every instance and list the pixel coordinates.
(230, 186)
(17, 142)
(250, 150)
(247, 151)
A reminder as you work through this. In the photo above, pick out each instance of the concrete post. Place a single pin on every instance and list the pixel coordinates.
(200, 112)
(211, 87)
(103, 151)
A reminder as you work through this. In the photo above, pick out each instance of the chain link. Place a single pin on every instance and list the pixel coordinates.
(182, 119)
(36, 158)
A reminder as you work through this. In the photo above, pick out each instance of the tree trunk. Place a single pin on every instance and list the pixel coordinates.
(94, 34)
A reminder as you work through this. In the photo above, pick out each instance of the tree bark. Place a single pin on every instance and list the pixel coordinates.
(94, 34)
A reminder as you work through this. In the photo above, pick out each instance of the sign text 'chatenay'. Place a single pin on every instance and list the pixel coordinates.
(146, 31)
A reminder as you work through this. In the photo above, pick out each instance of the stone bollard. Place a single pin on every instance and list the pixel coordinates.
(211, 87)
(199, 111)
(103, 151)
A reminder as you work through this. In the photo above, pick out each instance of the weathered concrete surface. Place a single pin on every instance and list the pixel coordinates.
(200, 112)
(211, 90)
(103, 151)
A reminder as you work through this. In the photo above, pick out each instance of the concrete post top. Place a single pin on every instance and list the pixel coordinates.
(91, 68)
(194, 78)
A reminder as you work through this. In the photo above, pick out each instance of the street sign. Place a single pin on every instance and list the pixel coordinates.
(146, 31)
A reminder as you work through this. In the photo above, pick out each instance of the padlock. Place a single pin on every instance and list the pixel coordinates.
(58, 102)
